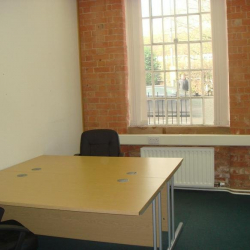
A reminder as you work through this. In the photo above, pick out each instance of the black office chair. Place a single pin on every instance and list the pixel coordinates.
(100, 142)
(14, 236)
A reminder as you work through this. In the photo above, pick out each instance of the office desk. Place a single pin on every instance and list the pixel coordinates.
(90, 198)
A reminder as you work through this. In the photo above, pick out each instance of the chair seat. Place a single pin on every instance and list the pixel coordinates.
(8, 240)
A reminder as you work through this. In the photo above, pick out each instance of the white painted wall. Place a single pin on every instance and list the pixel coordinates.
(40, 93)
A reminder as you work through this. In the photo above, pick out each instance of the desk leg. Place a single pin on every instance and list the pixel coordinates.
(159, 223)
(172, 234)
(154, 225)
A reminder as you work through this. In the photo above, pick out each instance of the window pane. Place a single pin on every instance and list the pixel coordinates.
(205, 5)
(181, 26)
(184, 107)
(208, 83)
(196, 88)
(207, 55)
(197, 117)
(195, 56)
(183, 84)
(148, 84)
(149, 91)
(172, 111)
(157, 30)
(194, 28)
(160, 112)
(193, 6)
(168, 7)
(147, 57)
(146, 31)
(149, 80)
(171, 84)
(206, 27)
(156, 7)
(182, 56)
(209, 111)
(145, 8)
(169, 30)
(159, 84)
(170, 57)
(157, 57)
(150, 112)
(181, 6)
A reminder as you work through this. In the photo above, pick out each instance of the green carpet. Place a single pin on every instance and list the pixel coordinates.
(212, 220)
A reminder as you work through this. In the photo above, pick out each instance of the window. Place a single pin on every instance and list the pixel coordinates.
(178, 61)
(180, 71)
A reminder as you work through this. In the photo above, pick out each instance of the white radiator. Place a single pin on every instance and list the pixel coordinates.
(197, 169)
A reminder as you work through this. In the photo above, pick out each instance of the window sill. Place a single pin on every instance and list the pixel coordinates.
(179, 130)
(186, 140)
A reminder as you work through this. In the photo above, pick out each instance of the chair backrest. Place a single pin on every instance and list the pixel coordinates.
(14, 236)
(100, 142)
(1, 213)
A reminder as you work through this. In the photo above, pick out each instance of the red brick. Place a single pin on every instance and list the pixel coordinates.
(240, 177)
(98, 8)
(236, 29)
(240, 15)
(114, 1)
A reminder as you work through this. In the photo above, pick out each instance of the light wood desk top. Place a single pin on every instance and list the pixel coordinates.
(86, 184)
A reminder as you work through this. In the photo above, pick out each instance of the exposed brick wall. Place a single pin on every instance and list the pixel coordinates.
(239, 167)
(103, 64)
(104, 79)
(222, 165)
(238, 14)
